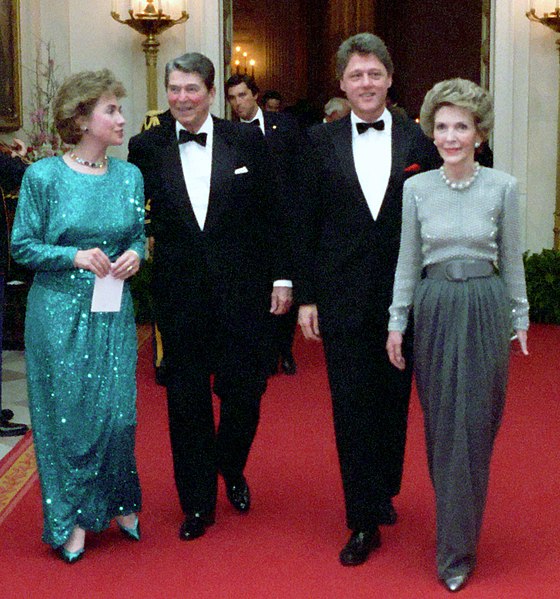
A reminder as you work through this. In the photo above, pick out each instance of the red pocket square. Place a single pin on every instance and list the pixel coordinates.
(413, 168)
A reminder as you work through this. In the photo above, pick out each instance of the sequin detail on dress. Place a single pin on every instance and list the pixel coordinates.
(80, 365)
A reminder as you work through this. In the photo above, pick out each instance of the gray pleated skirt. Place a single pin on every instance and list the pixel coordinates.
(461, 350)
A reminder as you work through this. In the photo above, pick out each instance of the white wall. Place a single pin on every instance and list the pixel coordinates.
(525, 84)
(86, 37)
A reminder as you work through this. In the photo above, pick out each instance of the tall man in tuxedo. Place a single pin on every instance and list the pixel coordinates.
(350, 242)
(213, 213)
(286, 144)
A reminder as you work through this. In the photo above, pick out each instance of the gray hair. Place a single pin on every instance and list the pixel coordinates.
(464, 94)
(362, 43)
(192, 62)
(336, 105)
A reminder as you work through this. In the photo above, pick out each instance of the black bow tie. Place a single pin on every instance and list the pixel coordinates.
(363, 127)
(185, 136)
(255, 122)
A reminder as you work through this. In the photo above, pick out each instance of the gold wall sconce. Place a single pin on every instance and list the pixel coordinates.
(150, 18)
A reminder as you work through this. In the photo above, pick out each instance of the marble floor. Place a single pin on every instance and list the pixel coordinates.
(14, 394)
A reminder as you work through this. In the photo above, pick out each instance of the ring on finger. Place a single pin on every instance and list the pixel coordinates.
(129, 269)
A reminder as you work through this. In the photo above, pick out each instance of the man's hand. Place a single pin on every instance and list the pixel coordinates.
(308, 319)
(394, 349)
(280, 300)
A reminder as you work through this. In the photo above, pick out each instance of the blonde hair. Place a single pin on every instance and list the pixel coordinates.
(77, 97)
(464, 94)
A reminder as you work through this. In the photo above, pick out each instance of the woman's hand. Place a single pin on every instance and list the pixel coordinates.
(94, 260)
(522, 338)
(394, 349)
(127, 264)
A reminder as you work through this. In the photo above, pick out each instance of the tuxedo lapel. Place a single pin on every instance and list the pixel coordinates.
(399, 151)
(341, 132)
(174, 180)
(342, 140)
(223, 167)
(399, 148)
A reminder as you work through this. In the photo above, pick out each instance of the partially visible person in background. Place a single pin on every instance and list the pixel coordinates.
(12, 167)
(286, 143)
(80, 221)
(272, 101)
(336, 108)
(459, 223)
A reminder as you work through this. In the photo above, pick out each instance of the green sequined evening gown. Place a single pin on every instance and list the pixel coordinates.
(80, 365)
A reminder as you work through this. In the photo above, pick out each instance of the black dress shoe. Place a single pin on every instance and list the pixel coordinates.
(11, 429)
(359, 546)
(195, 526)
(456, 583)
(238, 494)
(288, 364)
(387, 515)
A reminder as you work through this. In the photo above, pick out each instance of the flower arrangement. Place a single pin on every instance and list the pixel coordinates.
(44, 140)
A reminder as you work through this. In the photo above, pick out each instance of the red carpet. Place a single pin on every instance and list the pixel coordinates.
(287, 546)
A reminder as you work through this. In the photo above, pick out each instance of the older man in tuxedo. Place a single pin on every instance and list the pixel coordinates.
(286, 144)
(349, 247)
(217, 275)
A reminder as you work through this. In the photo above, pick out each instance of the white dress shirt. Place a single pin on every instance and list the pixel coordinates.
(372, 159)
(196, 161)
(260, 116)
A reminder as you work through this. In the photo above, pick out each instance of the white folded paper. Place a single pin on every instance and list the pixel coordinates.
(107, 294)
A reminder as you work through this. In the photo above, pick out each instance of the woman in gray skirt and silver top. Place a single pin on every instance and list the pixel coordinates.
(460, 267)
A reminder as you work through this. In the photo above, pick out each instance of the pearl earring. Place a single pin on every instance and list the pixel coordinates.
(477, 145)
(85, 129)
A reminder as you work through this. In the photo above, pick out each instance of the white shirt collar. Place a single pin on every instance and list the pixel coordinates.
(207, 127)
(385, 116)
(258, 115)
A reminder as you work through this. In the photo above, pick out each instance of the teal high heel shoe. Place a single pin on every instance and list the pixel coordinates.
(70, 557)
(132, 532)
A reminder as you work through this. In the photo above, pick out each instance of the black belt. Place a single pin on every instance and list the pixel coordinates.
(459, 270)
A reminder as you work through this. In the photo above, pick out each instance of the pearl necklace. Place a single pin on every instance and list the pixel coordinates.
(459, 185)
(79, 160)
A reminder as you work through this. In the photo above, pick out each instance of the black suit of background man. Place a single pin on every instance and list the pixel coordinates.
(11, 174)
(286, 143)
(212, 288)
(347, 267)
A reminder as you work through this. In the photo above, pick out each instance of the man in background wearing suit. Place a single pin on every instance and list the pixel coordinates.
(215, 261)
(286, 143)
(349, 248)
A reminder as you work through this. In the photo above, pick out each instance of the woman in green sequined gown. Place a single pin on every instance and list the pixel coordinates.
(76, 219)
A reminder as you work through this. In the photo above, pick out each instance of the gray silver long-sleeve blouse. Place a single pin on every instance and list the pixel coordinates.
(479, 222)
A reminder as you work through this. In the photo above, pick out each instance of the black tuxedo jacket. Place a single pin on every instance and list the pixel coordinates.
(225, 271)
(11, 174)
(287, 145)
(347, 260)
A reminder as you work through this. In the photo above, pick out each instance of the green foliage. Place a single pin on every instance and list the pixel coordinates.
(542, 272)
(141, 290)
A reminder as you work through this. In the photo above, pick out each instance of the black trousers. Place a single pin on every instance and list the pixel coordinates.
(370, 400)
(285, 331)
(199, 450)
